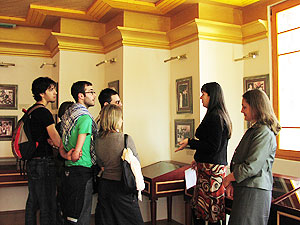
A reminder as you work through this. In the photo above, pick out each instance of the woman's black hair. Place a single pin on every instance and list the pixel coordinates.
(217, 103)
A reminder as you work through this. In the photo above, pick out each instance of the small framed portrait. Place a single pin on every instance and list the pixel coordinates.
(183, 129)
(184, 95)
(7, 126)
(8, 96)
(114, 85)
(257, 82)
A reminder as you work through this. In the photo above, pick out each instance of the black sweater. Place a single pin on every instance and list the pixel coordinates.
(212, 135)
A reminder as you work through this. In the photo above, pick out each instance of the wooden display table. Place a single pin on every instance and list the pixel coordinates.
(164, 179)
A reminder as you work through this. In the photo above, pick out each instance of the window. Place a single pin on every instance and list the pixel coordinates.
(285, 24)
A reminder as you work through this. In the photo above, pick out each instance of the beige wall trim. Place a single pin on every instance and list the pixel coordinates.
(24, 50)
(219, 31)
(74, 43)
(255, 30)
(112, 40)
(42, 42)
(144, 38)
(205, 29)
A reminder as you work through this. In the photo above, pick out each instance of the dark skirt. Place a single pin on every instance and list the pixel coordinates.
(115, 207)
(209, 197)
(250, 206)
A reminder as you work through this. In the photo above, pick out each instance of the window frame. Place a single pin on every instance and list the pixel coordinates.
(280, 153)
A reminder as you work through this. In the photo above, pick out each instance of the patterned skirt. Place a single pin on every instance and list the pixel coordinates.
(209, 193)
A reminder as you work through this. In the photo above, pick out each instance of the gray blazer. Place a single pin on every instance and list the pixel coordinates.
(253, 158)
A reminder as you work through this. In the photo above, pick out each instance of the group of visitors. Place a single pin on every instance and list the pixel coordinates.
(61, 185)
(86, 145)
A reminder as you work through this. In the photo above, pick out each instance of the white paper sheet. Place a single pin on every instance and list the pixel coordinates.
(190, 178)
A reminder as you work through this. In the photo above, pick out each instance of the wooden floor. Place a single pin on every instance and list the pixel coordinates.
(17, 218)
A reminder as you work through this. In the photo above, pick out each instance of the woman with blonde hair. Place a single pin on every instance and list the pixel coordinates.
(115, 206)
(250, 181)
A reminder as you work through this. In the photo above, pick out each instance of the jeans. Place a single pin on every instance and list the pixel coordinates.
(77, 194)
(42, 192)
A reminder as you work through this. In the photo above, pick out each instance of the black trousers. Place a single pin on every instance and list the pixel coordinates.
(115, 207)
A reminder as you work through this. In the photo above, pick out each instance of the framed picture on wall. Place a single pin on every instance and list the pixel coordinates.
(7, 126)
(184, 128)
(114, 85)
(184, 95)
(8, 96)
(257, 82)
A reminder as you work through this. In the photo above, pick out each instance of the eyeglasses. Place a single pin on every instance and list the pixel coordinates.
(91, 92)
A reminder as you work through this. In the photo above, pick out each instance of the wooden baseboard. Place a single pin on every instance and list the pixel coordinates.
(16, 217)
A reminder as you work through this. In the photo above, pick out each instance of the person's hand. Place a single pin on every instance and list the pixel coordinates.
(69, 154)
(76, 155)
(50, 142)
(194, 165)
(228, 179)
(229, 191)
(182, 144)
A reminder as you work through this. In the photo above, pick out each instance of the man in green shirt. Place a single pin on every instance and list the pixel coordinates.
(78, 128)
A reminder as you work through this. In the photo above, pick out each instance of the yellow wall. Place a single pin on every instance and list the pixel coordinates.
(26, 69)
(181, 69)
(217, 64)
(75, 66)
(146, 97)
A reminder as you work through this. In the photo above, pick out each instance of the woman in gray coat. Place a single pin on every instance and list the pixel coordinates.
(115, 206)
(250, 181)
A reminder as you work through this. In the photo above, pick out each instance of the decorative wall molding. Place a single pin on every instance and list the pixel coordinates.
(71, 42)
(254, 31)
(127, 29)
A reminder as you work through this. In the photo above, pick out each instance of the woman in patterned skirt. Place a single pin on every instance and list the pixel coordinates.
(210, 162)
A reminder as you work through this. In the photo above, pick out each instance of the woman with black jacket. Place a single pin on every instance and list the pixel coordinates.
(211, 142)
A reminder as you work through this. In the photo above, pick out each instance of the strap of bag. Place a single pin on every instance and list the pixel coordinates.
(33, 108)
(125, 140)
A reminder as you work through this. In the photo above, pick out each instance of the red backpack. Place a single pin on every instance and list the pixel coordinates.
(23, 147)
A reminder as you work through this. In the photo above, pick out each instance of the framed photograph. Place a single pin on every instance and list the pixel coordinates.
(183, 129)
(184, 95)
(8, 96)
(7, 126)
(114, 85)
(257, 82)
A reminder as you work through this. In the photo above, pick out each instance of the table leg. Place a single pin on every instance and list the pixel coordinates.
(188, 212)
(169, 208)
(153, 211)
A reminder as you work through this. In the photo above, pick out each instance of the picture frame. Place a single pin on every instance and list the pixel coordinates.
(184, 128)
(114, 85)
(257, 82)
(8, 96)
(7, 127)
(184, 95)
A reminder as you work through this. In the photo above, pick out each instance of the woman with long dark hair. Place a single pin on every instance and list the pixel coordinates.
(211, 156)
(251, 180)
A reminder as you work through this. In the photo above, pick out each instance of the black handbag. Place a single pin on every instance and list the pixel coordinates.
(128, 179)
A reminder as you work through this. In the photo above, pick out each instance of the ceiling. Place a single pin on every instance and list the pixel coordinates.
(45, 13)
